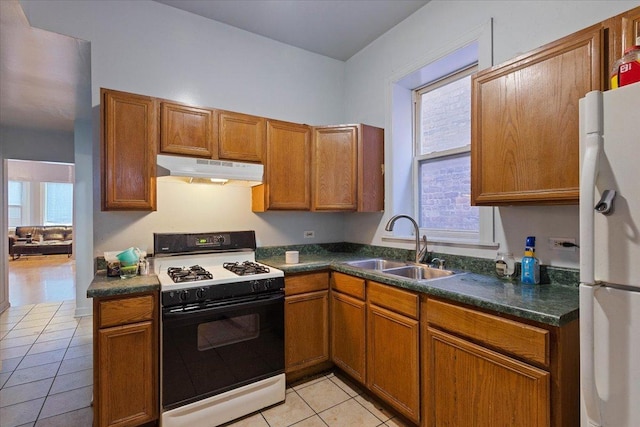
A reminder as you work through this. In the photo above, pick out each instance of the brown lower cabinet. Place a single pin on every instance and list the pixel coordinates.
(393, 350)
(306, 327)
(348, 325)
(375, 336)
(125, 361)
(480, 369)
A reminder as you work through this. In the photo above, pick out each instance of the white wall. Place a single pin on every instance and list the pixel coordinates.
(4, 234)
(36, 144)
(518, 26)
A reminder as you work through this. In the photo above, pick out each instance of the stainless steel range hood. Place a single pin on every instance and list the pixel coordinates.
(190, 169)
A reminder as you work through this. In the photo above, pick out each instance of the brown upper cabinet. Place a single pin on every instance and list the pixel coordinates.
(524, 122)
(335, 169)
(187, 130)
(241, 137)
(347, 168)
(524, 115)
(287, 176)
(128, 138)
(329, 168)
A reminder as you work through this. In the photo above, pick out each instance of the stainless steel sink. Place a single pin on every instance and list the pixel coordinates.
(376, 264)
(418, 272)
(400, 268)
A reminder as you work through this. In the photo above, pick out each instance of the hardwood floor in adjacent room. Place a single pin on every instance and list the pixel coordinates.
(38, 279)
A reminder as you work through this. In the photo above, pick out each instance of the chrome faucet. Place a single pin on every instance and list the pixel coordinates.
(439, 262)
(419, 252)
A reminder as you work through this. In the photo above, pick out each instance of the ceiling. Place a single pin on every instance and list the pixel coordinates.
(43, 75)
(334, 28)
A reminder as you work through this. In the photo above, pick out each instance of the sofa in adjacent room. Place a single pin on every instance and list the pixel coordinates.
(41, 240)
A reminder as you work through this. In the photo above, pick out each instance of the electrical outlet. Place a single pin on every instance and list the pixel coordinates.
(556, 243)
(309, 234)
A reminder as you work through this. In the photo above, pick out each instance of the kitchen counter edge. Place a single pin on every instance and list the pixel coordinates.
(104, 286)
(554, 305)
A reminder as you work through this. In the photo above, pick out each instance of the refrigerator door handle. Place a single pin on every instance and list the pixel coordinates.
(605, 205)
(588, 173)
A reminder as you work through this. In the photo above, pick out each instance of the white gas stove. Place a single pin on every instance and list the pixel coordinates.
(222, 340)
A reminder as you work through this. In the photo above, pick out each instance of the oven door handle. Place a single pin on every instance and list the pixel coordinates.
(221, 306)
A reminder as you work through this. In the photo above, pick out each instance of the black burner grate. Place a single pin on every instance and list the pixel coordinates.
(188, 274)
(245, 268)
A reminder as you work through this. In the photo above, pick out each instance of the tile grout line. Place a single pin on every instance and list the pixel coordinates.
(333, 406)
(66, 349)
(59, 366)
(25, 355)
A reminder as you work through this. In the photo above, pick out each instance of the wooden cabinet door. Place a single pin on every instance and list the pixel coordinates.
(287, 183)
(393, 370)
(306, 330)
(630, 28)
(334, 168)
(128, 162)
(127, 393)
(469, 385)
(524, 121)
(186, 130)
(241, 137)
(348, 335)
(371, 169)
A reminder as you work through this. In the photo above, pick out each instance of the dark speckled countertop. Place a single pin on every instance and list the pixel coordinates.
(103, 286)
(550, 304)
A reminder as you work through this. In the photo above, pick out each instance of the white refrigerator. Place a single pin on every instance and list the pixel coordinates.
(610, 258)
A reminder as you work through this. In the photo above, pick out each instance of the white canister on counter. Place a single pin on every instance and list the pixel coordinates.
(291, 257)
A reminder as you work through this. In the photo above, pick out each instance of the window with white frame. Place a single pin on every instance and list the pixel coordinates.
(442, 122)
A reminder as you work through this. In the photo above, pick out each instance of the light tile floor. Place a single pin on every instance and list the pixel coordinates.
(46, 373)
(46, 379)
(328, 400)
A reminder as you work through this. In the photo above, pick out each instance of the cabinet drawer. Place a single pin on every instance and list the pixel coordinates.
(120, 311)
(398, 300)
(515, 338)
(306, 283)
(349, 285)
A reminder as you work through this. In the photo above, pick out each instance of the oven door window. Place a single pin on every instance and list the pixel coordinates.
(207, 352)
(233, 330)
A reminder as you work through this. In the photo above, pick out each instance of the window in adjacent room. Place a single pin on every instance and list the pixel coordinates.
(442, 121)
(16, 199)
(58, 203)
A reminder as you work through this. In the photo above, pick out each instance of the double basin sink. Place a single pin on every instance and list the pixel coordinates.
(402, 269)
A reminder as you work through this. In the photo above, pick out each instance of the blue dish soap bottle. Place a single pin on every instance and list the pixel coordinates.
(530, 264)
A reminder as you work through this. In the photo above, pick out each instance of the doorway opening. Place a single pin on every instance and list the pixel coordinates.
(40, 220)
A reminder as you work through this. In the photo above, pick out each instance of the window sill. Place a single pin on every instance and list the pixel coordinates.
(444, 242)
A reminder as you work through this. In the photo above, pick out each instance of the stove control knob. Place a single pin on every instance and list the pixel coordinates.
(255, 286)
(268, 284)
(201, 293)
(184, 295)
